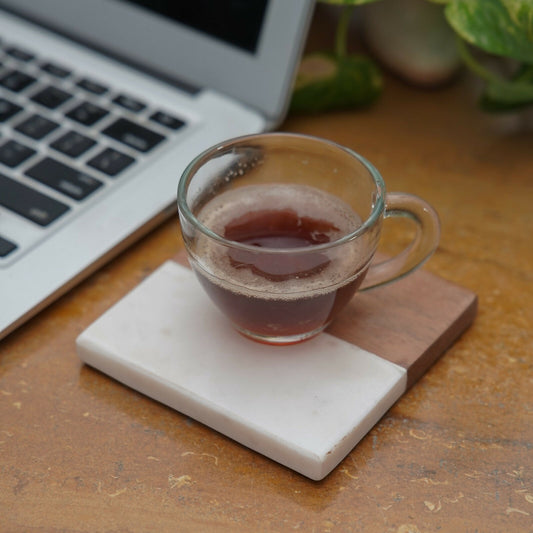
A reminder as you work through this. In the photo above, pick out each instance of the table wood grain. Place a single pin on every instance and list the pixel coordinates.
(80, 452)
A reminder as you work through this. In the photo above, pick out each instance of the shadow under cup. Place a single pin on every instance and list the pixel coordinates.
(280, 230)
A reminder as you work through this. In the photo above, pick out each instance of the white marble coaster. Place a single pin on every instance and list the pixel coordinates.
(305, 406)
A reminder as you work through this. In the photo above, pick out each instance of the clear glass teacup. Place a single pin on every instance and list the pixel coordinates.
(281, 230)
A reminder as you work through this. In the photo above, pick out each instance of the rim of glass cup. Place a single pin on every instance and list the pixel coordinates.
(221, 148)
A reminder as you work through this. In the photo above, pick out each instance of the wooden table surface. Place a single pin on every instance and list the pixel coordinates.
(80, 452)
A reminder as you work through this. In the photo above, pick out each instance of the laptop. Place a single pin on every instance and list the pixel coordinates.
(103, 104)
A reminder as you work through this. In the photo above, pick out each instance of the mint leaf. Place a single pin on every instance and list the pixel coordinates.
(501, 27)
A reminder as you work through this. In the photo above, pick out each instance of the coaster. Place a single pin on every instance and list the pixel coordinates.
(305, 406)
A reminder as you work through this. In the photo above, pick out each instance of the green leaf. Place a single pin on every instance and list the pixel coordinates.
(501, 27)
(521, 11)
(326, 81)
(503, 95)
(500, 94)
(347, 2)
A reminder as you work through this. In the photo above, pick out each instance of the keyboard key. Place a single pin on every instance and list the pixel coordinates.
(6, 247)
(133, 135)
(73, 144)
(111, 162)
(55, 70)
(29, 203)
(129, 103)
(36, 127)
(51, 97)
(167, 120)
(63, 178)
(13, 153)
(87, 113)
(16, 81)
(92, 86)
(19, 54)
(8, 109)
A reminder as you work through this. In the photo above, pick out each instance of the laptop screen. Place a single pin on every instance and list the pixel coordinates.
(236, 22)
(245, 49)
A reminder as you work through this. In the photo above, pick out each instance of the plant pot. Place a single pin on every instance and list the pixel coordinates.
(412, 39)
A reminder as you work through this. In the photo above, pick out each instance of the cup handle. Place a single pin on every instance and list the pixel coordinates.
(398, 204)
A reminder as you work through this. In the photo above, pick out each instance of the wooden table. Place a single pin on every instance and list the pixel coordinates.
(80, 452)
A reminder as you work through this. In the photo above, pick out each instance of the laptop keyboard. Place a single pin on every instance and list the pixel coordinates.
(64, 137)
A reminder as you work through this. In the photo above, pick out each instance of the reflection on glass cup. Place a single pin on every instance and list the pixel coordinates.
(281, 229)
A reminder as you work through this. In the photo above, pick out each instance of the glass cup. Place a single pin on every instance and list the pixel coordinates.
(281, 230)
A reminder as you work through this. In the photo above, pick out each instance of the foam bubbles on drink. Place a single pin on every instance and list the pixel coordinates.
(306, 201)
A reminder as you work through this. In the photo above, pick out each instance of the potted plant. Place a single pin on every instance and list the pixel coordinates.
(424, 41)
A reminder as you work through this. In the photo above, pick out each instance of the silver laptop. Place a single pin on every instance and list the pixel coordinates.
(102, 105)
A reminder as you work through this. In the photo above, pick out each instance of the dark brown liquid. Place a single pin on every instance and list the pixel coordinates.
(280, 229)
(275, 310)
